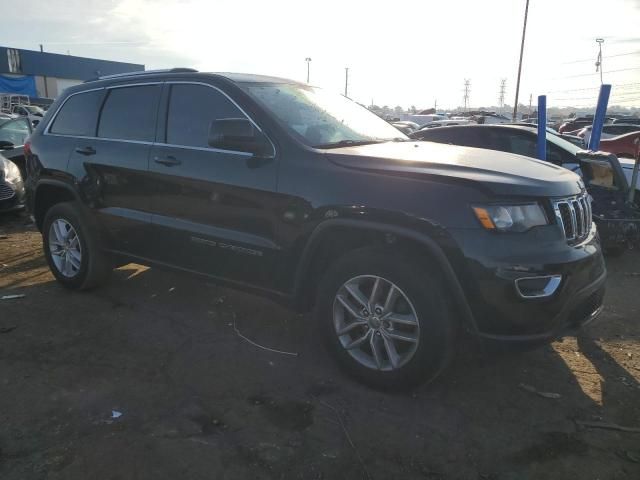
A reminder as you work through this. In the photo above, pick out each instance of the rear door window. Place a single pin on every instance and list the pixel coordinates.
(129, 113)
(78, 115)
(192, 108)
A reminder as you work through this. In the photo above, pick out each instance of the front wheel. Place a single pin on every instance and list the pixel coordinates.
(386, 320)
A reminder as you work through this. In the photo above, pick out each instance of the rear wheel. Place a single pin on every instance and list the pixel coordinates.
(72, 249)
(385, 320)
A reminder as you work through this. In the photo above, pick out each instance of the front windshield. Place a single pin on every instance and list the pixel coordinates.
(322, 119)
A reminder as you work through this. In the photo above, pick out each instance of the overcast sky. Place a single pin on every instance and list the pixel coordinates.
(398, 52)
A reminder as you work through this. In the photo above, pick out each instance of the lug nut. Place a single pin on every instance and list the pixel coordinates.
(378, 311)
(365, 312)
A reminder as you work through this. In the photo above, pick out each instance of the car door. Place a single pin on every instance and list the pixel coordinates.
(112, 164)
(213, 210)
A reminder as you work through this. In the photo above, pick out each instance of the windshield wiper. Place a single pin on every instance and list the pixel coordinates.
(347, 143)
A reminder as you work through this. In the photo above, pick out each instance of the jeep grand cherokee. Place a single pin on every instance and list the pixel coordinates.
(285, 189)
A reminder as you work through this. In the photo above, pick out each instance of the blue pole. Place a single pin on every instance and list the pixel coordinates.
(541, 146)
(598, 119)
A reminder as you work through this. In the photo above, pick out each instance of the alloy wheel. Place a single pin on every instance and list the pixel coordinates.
(376, 323)
(65, 248)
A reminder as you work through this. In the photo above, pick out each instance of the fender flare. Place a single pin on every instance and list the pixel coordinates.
(54, 183)
(454, 286)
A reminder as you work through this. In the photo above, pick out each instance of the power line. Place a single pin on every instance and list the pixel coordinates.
(590, 74)
(621, 85)
(608, 56)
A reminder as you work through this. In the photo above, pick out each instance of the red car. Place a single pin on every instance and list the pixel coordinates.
(623, 145)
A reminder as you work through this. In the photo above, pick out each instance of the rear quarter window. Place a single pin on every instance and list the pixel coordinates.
(78, 114)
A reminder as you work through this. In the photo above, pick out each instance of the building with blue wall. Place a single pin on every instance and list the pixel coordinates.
(46, 75)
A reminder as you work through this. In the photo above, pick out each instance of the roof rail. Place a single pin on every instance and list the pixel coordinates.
(144, 72)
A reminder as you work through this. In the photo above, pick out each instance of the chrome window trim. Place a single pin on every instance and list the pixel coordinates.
(204, 149)
(47, 130)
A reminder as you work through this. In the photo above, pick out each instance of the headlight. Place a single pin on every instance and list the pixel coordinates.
(511, 218)
(11, 171)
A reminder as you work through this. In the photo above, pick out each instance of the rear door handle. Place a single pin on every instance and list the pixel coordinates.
(168, 161)
(86, 150)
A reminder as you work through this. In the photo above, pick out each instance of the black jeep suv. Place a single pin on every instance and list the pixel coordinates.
(288, 190)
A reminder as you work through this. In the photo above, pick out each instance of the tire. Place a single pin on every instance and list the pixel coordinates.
(421, 296)
(93, 267)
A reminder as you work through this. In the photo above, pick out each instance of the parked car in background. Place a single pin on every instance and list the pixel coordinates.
(520, 139)
(490, 119)
(13, 135)
(608, 131)
(447, 123)
(12, 194)
(300, 194)
(406, 127)
(424, 119)
(623, 145)
(627, 120)
(575, 124)
(32, 112)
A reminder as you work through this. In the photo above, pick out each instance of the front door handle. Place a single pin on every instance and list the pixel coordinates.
(86, 150)
(168, 161)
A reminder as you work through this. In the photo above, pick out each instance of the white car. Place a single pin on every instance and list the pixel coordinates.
(32, 112)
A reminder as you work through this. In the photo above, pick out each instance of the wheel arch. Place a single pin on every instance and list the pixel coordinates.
(48, 193)
(314, 253)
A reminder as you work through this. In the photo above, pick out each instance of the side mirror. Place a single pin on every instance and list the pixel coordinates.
(6, 145)
(238, 134)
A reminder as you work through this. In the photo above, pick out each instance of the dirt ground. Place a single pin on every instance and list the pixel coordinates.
(198, 401)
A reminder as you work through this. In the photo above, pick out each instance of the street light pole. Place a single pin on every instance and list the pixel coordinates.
(599, 41)
(308, 60)
(346, 81)
(524, 31)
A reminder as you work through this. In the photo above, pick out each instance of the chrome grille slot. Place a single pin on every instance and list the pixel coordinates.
(574, 216)
(6, 192)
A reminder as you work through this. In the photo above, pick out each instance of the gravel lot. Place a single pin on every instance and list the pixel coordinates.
(197, 401)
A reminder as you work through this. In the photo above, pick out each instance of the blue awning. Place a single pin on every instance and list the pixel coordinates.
(20, 85)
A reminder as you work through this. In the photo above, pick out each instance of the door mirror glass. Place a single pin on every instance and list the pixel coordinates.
(238, 134)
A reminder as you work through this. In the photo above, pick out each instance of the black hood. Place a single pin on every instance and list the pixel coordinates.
(502, 173)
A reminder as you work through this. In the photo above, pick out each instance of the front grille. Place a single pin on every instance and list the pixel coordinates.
(6, 192)
(574, 216)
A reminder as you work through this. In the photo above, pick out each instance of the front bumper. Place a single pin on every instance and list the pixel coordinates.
(493, 263)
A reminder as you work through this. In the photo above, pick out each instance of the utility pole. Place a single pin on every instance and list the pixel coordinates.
(44, 77)
(308, 60)
(524, 31)
(467, 91)
(435, 105)
(346, 81)
(503, 89)
(599, 41)
(530, 100)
